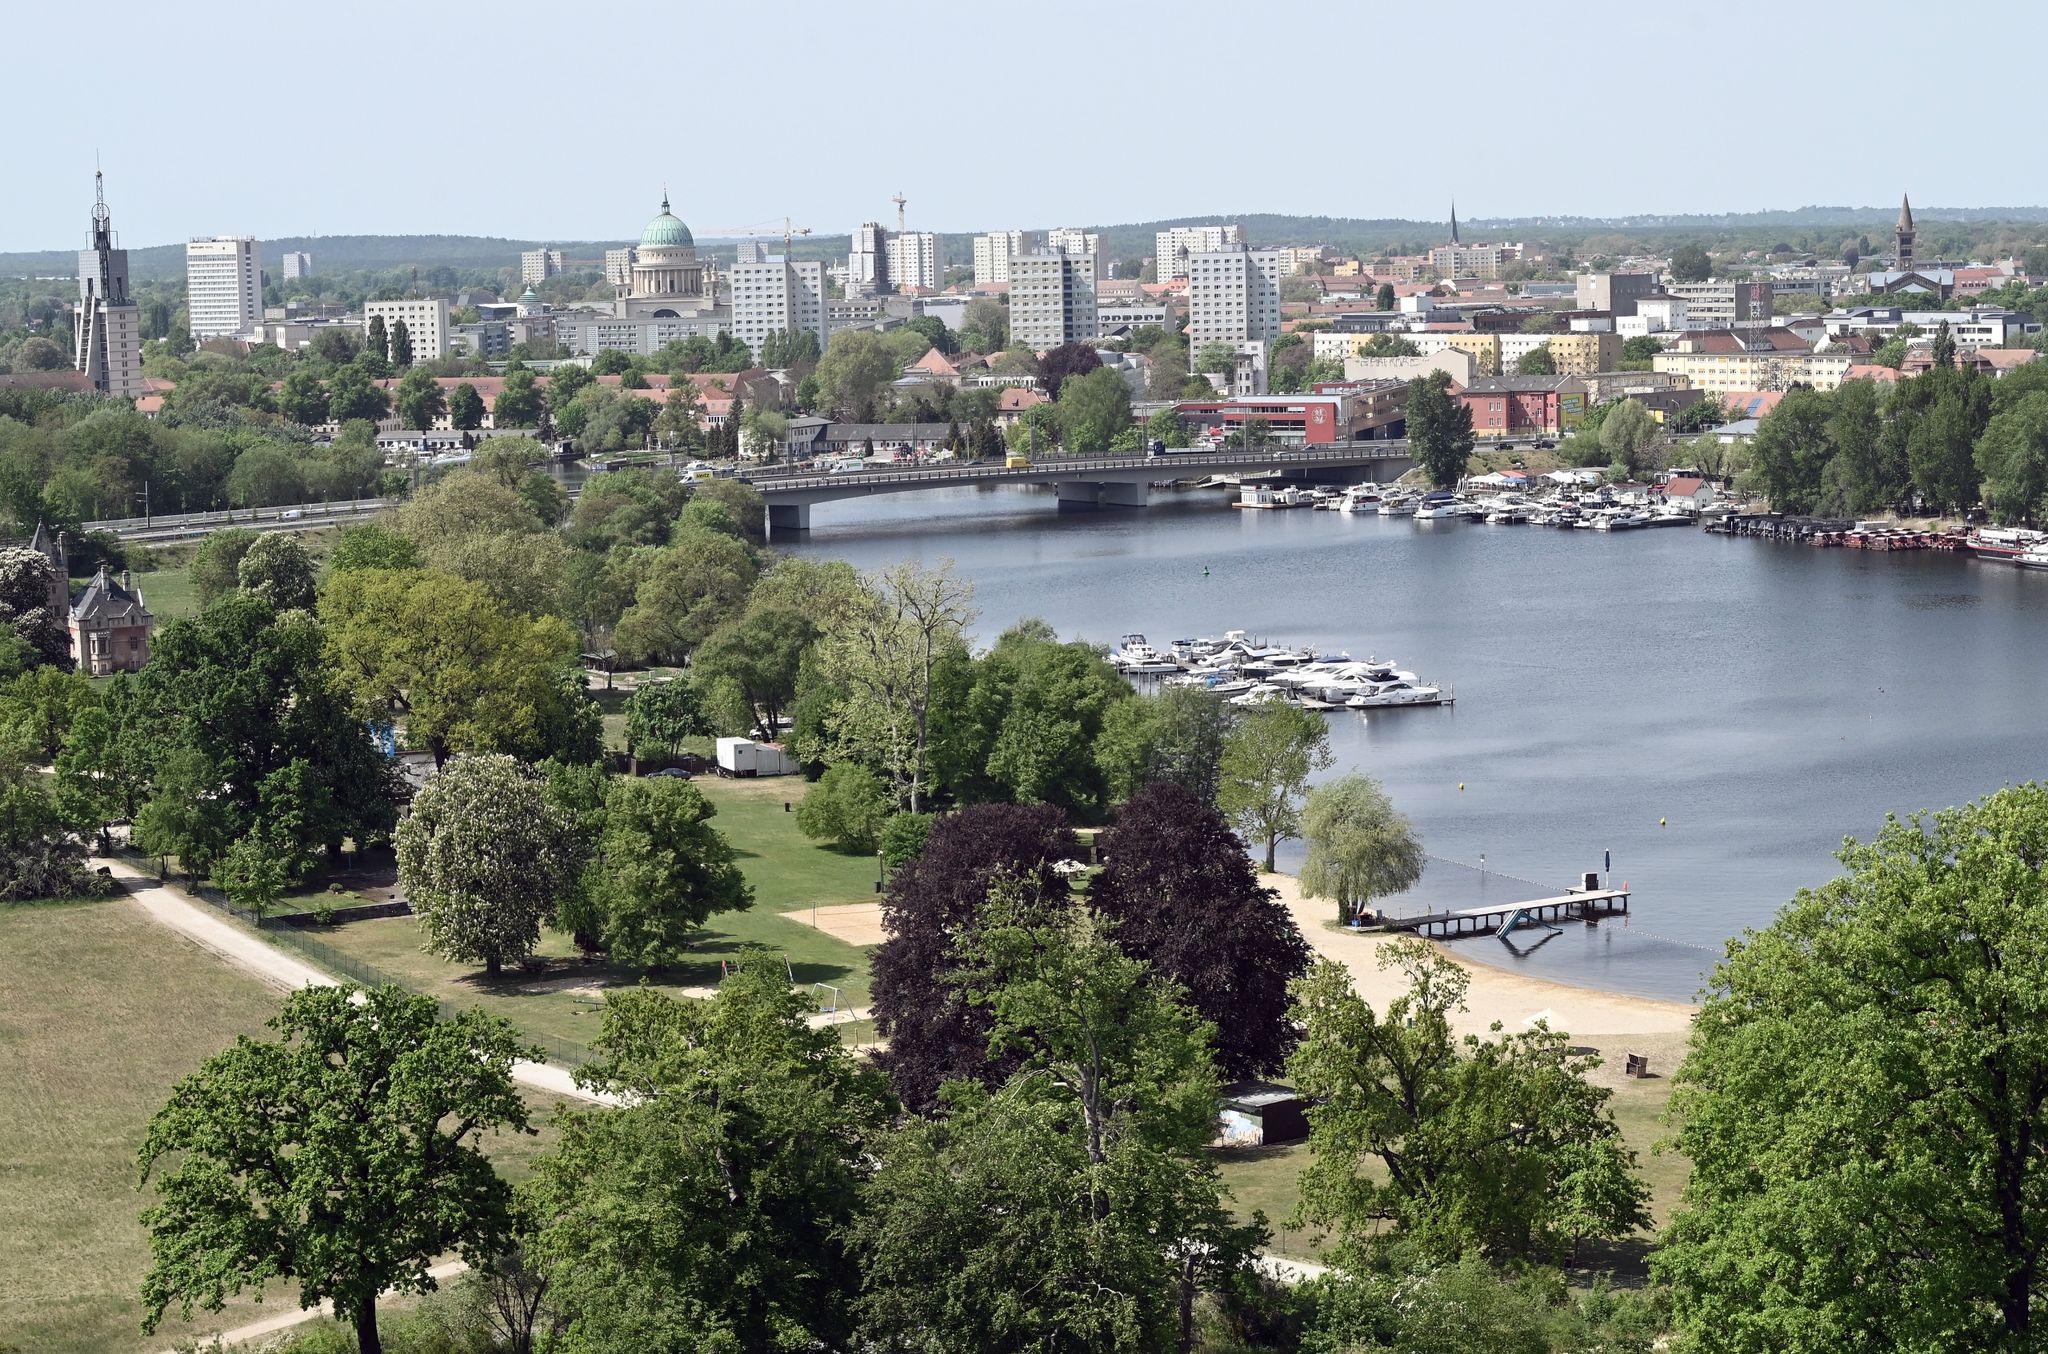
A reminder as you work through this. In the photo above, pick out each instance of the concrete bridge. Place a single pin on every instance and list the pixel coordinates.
(1082, 483)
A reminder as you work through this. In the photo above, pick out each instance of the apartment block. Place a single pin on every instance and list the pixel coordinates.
(1723, 373)
(1233, 296)
(1170, 248)
(916, 260)
(538, 265)
(426, 324)
(618, 266)
(992, 254)
(223, 286)
(1299, 259)
(1080, 242)
(1052, 298)
(1483, 262)
(776, 294)
(297, 263)
(1616, 293)
(867, 262)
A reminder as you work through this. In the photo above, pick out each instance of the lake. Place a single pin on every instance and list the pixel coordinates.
(1764, 701)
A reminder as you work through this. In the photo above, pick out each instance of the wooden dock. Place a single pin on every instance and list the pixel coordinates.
(1474, 921)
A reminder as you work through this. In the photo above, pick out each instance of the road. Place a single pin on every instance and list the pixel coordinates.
(287, 517)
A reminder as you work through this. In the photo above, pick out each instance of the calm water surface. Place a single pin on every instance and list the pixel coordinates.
(1764, 700)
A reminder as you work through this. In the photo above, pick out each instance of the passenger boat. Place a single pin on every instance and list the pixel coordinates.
(2003, 543)
(2035, 557)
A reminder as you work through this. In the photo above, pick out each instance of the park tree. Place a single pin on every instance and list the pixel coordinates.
(1689, 263)
(659, 870)
(484, 857)
(1497, 1144)
(277, 568)
(661, 715)
(856, 369)
(1175, 736)
(1092, 410)
(301, 397)
(465, 408)
(344, 1156)
(475, 526)
(930, 909)
(1180, 894)
(881, 647)
(1791, 450)
(693, 586)
(1439, 429)
(520, 402)
(101, 777)
(1268, 757)
(371, 545)
(1359, 847)
(29, 589)
(1083, 1182)
(378, 338)
(239, 729)
(265, 475)
(1862, 1102)
(462, 672)
(847, 807)
(710, 1209)
(1536, 362)
(352, 394)
(401, 349)
(420, 397)
(2012, 457)
(1626, 434)
(1064, 362)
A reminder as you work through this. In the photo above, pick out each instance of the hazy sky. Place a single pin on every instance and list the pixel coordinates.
(548, 120)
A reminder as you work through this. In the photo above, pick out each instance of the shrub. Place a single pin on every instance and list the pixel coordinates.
(847, 806)
(903, 837)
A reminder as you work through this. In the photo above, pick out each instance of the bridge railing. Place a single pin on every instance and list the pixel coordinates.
(1351, 453)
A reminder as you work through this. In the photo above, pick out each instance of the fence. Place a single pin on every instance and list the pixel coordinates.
(286, 931)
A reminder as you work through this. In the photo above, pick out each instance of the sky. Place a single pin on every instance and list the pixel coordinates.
(535, 119)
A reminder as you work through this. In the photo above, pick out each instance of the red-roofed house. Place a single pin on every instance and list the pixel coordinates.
(1688, 491)
(1870, 371)
(935, 366)
(1751, 403)
(1015, 401)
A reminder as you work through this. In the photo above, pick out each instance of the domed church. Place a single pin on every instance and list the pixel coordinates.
(669, 281)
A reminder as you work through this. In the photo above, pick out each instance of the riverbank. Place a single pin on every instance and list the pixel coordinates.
(1495, 995)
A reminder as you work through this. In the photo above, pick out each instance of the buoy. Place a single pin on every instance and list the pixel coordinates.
(1660, 822)
(1461, 785)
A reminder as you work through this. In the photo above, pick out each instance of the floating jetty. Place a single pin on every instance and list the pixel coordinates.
(1588, 906)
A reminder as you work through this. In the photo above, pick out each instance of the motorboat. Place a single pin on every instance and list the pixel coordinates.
(1670, 517)
(1133, 655)
(1397, 506)
(1619, 519)
(2035, 557)
(1259, 695)
(1385, 694)
(1361, 498)
(1437, 506)
(2004, 543)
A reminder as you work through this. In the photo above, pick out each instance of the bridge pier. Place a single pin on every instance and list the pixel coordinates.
(1090, 495)
(788, 519)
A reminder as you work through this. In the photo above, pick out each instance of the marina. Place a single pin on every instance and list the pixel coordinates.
(1247, 673)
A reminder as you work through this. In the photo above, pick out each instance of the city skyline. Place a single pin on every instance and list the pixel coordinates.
(567, 176)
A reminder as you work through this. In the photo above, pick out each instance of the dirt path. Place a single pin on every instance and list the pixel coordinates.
(169, 907)
(284, 1321)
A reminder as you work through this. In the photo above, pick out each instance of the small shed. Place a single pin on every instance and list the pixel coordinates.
(745, 757)
(1260, 1114)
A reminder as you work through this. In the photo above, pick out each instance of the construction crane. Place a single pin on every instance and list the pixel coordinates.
(788, 231)
(899, 200)
(759, 228)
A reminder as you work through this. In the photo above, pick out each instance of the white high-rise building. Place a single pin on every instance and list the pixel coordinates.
(916, 260)
(538, 265)
(993, 252)
(297, 263)
(1079, 242)
(1052, 298)
(108, 345)
(775, 294)
(618, 266)
(1170, 248)
(867, 263)
(426, 324)
(1233, 297)
(223, 286)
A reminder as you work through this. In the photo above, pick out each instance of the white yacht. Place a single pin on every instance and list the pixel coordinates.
(1361, 498)
(1397, 505)
(1134, 655)
(1437, 507)
(1398, 693)
(2034, 557)
(1259, 695)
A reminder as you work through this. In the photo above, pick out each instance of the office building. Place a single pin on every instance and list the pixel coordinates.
(297, 263)
(1052, 298)
(223, 286)
(108, 339)
(425, 321)
(750, 251)
(1724, 305)
(538, 265)
(993, 252)
(867, 262)
(916, 260)
(1079, 242)
(1233, 296)
(775, 294)
(1170, 248)
(1615, 293)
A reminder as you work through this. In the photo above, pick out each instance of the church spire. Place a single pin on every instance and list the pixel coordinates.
(1905, 212)
(1904, 236)
(1454, 220)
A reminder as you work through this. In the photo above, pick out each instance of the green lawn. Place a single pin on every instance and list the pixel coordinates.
(167, 592)
(560, 998)
(101, 1012)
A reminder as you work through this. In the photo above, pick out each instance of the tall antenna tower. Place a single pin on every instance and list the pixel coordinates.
(899, 200)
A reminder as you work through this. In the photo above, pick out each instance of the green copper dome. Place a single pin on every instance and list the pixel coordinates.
(665, 231)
